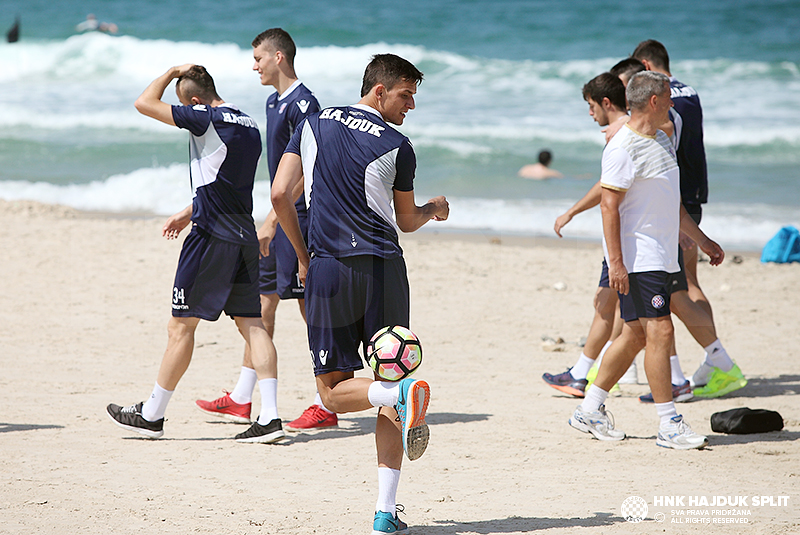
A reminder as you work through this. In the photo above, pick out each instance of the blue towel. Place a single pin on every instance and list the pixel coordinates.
(783, 247)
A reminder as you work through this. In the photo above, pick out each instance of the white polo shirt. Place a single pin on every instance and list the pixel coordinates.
(646, 169)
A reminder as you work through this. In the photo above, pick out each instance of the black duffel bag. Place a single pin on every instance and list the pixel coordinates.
(746, 420)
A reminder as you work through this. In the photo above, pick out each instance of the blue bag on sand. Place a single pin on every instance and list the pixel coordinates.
(783, 247)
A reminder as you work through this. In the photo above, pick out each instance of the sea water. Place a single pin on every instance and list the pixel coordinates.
(502, 81)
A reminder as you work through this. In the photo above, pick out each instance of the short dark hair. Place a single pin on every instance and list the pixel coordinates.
(388, 69)
(280, 40)
(608, 86)
(627, 67)
(654, 52)
(197, 83)
(545, 157)
(644, 85)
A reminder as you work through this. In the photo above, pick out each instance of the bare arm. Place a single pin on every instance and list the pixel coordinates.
(411, 217)
(706, 244)
(287, 178)
(615, 127)
(149, 102)
(590, 200)
(617, 274)
(266, 233)
(176, 223)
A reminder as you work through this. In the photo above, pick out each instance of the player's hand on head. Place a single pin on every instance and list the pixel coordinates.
(183, 69)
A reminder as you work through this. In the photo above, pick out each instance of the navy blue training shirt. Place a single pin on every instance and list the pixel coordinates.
(352, 162)
(224, 149)
(691, 150)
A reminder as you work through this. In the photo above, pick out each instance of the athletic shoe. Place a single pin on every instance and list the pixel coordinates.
(411, 406)
(592, 375)
(599, 423)
(262, 434)
(680, 394)
(386, 523)
(225, 407)
(313, 417)
(721, 383)
(631, 376)
(700, 376)
(678, 435)
(131, 418)
(564, 382)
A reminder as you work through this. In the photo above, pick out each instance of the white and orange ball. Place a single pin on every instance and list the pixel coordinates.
(394, 353)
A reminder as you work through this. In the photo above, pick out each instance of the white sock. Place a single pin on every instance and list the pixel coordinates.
(677, 373)
(717, 356)
(595, 397)
(581, 367)
(603, 352)
(269, 400)
(318, 403)
(156, 405)
(383, 394)
(666, 411)
(243, 392)
(388, 479)
(701, 375)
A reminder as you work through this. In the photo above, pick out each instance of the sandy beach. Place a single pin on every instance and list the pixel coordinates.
(84, 307)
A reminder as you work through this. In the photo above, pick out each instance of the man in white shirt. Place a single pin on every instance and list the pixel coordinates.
(642, 218)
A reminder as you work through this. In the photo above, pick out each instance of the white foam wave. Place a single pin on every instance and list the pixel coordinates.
(154, 190)
(165, 190)
(739, 227)
(463, 100)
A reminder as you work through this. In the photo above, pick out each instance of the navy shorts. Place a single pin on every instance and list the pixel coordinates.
(278, 271)
(347, 301)
(215, 276)
(648, 296)
(604, 276)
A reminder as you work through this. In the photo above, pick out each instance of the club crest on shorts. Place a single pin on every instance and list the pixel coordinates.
(658, 301)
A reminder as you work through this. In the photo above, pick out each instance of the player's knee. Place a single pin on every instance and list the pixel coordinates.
(181, 327)
(328, 399)
(661, 331)
(605, 304)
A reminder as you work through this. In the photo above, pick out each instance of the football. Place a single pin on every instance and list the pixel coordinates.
(394, 353)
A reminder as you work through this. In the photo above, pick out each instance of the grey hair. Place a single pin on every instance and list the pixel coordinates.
(644, 85)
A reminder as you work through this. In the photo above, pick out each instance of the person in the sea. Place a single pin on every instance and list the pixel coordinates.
(91, 24)
(541, 169)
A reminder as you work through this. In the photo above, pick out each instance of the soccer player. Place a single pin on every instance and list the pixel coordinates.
(605, 95)
(718, 374)
(355, 166)
(642, 217)
(218, 266)
(274, 52)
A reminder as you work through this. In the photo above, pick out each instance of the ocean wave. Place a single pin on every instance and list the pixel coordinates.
(466, 104)
(165, 190)
(152, 190)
